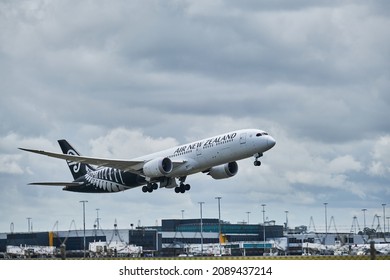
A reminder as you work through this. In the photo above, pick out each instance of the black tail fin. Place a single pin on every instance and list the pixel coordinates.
(78, 169)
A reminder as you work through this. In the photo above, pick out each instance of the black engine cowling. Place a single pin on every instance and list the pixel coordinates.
(158, 167)
(224, 171)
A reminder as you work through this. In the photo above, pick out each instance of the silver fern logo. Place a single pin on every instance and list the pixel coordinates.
(108, 179)
(75, 165)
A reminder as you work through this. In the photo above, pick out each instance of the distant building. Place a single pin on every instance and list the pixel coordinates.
(171, 238)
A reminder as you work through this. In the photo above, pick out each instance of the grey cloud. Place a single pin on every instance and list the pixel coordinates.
(313, 74)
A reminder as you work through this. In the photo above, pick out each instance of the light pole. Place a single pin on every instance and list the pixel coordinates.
(83, 202)
(29, 224)
(182, 214)
(248, 216)
(201, 227)
(219, 223)
(364, 217)
(287, 231)
(263, 225)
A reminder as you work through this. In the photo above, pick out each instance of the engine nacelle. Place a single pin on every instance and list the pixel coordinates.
(158, 167)
(224, 171)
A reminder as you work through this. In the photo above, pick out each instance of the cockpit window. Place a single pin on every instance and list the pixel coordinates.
(260, 134)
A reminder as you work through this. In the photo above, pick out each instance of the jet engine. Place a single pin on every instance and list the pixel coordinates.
(224, 171)
(158, 167)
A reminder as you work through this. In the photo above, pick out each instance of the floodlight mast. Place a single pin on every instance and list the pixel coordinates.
(83, 202)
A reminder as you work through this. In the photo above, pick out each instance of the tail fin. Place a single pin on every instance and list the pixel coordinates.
(76, 168)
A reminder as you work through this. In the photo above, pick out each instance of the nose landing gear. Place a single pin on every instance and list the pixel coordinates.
(257, 162)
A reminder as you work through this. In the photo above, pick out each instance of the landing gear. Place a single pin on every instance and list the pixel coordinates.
(182, 188)
(257, 162)
(168, 183)
(150, 187)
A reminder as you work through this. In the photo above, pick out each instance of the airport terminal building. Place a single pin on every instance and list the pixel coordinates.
(174, 237)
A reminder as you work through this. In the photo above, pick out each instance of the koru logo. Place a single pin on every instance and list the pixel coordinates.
(76, 165)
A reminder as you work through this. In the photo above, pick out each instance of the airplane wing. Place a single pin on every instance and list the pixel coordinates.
(124, 165)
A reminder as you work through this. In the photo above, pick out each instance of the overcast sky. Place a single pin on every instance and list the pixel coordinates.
(124, 78)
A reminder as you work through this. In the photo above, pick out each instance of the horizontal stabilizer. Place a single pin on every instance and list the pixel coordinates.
(63, 184)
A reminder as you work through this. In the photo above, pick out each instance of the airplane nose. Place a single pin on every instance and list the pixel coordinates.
(271, 142)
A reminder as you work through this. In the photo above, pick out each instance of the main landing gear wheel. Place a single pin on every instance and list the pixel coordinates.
(182, 188)
(150, 187)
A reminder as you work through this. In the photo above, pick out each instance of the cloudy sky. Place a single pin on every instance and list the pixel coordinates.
(124, 78)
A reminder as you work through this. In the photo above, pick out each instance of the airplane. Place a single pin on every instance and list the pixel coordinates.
(217, 156)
